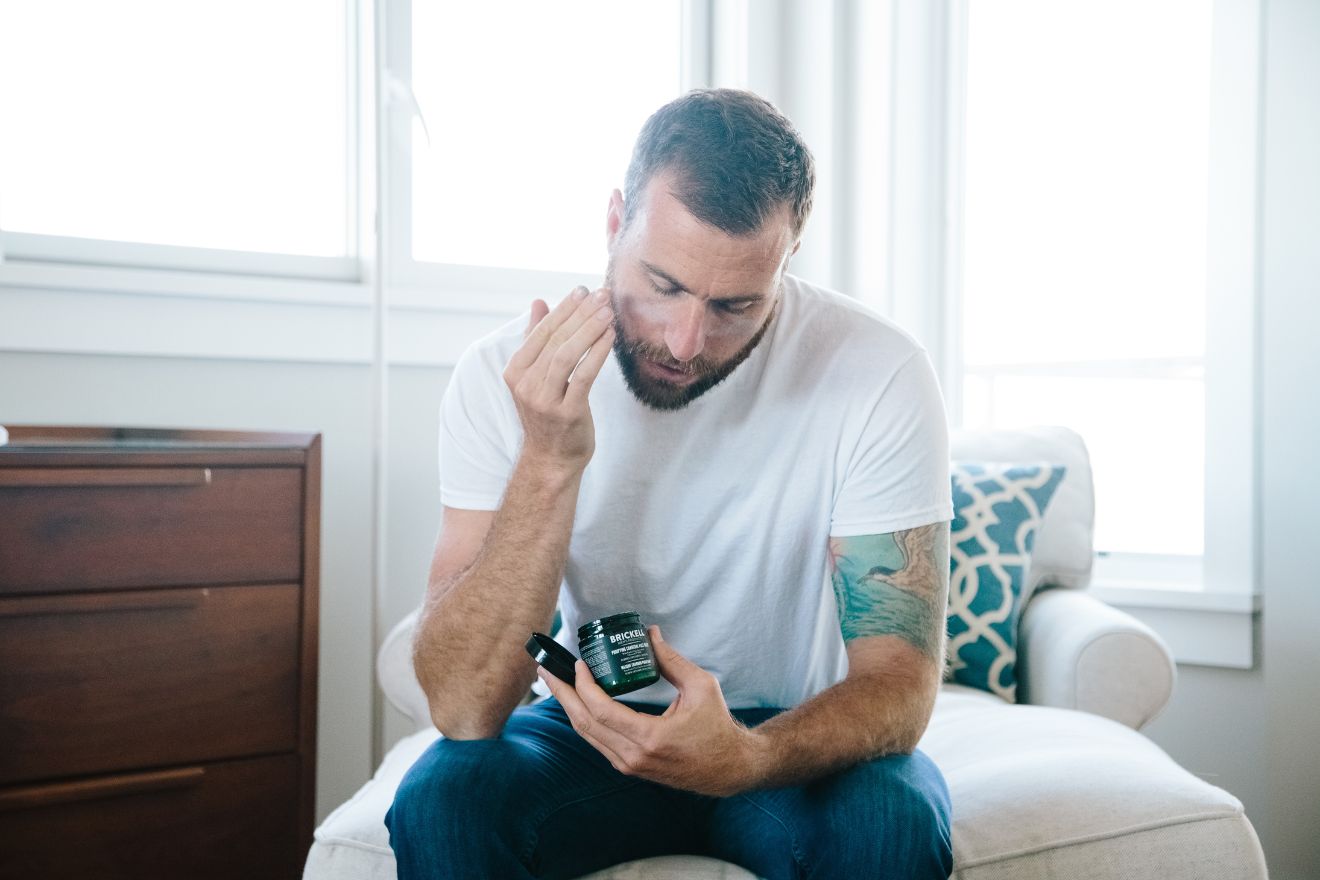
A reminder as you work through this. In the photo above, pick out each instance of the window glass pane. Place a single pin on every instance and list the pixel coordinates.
(219, 125)
(1086, 178)
(532, 110)
(1146, 439)
(1084, 246)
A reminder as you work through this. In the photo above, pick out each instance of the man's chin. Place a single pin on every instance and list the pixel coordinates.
(667, 396)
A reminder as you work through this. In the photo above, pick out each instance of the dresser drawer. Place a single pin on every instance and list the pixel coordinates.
(64, 529)
(103, 682)
(209, 822)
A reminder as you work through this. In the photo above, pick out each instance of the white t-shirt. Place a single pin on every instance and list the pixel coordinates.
(713, 520)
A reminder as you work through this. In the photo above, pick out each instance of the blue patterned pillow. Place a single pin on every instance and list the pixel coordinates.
(997, 508)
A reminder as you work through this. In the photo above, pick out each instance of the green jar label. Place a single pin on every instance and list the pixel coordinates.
(620, 662)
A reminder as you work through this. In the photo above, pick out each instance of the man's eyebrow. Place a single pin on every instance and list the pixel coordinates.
(678, 285)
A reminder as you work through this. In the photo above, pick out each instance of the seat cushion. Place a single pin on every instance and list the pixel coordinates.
(1041, 792)
(1037, 793)
(353, 841)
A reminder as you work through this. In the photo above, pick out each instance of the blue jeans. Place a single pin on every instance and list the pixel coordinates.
(539, 802)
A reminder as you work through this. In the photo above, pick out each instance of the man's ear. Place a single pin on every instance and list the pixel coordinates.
(614, 218)
(788, 258)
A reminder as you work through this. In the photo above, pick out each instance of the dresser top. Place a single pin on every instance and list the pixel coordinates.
(73, 445)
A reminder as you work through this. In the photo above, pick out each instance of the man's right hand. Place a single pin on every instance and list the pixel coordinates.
(557, 428)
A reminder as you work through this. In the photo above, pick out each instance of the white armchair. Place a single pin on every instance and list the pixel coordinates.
(1060, 784)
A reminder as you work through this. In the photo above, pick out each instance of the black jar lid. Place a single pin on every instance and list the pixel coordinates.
(557, 659)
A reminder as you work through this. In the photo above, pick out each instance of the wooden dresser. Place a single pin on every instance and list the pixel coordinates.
(158, 649)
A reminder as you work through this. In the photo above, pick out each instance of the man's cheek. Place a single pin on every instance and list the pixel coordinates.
(639, 316)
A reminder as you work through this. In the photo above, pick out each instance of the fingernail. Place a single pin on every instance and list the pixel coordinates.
(580, 293)
(602, 295)
(658, 637)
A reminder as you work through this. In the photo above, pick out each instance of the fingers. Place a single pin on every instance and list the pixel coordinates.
(574, 709)
(539, 311)
(539, 330)
(580, 383)
(613, 723)
(570, 341)
(678, 670)
(597, 724)
(592, 340)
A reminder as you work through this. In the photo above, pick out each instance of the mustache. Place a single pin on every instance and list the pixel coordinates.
(639, 348)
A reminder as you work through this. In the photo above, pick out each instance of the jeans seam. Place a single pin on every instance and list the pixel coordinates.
(798, 856)
(535, 838)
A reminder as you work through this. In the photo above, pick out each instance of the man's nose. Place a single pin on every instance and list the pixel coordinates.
(686, 336)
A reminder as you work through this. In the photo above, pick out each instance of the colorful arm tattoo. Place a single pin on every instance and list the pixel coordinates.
(894, 584)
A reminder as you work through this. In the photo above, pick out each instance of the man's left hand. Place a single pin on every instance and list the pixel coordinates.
(696, 745)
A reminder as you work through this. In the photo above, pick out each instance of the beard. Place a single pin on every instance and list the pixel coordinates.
(659, 394)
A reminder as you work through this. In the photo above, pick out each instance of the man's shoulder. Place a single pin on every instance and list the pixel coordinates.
(826, 315)
(489, 354)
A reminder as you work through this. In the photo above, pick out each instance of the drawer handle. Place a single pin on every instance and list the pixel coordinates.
(94, 789)
(101, 603)
(93, 478)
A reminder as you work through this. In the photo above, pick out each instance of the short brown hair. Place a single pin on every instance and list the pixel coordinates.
(735, 157)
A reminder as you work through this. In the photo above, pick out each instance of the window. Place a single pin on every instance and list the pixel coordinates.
(528, 112)
(150, 122)
(1084, 249)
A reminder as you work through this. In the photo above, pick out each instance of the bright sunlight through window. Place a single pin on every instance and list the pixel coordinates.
(217, 125)
(532, 110)
(1085, 246)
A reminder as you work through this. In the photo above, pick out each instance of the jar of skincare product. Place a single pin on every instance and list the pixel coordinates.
(618, 651)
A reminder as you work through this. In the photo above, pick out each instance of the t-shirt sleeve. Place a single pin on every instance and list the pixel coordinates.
(898, 474)
(478, 446)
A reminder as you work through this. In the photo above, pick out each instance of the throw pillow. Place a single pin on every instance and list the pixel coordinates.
(997, 507)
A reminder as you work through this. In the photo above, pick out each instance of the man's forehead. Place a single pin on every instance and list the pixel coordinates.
(668, 236)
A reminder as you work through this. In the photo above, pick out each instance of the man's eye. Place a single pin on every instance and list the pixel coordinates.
(740, 308)
(664, 291)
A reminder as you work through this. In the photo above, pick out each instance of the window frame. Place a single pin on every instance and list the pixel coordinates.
(59, 250)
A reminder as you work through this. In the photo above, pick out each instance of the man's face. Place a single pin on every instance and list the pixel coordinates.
(691, 302)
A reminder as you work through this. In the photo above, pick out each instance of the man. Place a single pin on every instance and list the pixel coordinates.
(752, 437)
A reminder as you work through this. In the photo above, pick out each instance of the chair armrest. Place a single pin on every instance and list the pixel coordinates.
(1076, 652)
(395, 673)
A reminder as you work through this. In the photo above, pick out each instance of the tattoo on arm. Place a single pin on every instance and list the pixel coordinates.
(894, 584)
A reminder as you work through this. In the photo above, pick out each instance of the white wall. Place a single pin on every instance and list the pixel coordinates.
(414, 501)
(1290, 367)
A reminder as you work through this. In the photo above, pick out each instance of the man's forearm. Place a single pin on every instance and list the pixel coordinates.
(468, 650)
(857, 719)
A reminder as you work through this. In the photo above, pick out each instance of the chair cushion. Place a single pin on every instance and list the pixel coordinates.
(1037, 793)
(1041, 792)
(997, 509)
(353, 841)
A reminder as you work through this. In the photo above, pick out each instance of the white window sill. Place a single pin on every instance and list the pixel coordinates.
(58, 308)
(19, 274)
(1201, 628)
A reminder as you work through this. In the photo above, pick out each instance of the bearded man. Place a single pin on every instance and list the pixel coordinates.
(757, 466)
